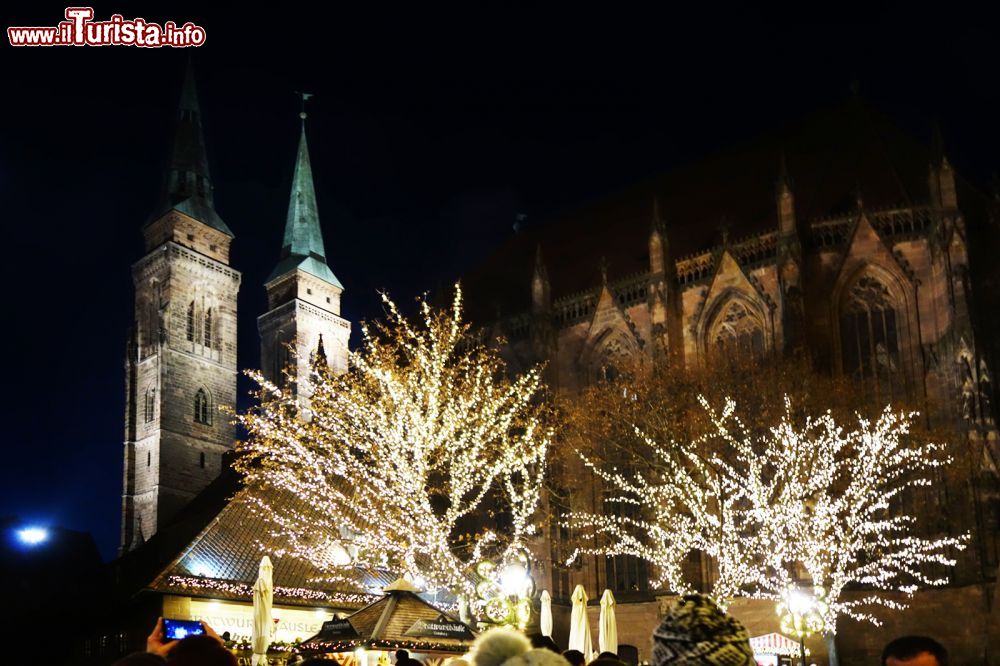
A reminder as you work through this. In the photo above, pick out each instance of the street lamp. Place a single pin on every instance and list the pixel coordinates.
(32, 536)
(802, 614)
(505, 596)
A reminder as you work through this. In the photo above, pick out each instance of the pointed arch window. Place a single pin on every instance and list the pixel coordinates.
(869, 338)
(190, 322)
(614, 360)
(202, 407)
(737, 334)
(208, 328)
(149, 408)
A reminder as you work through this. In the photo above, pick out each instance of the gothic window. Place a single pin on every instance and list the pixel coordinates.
(208, 327)
(737, 334)
(151, 332)
(869, 338)
(149, 458)
(985, 392)
(624, 573)
(202, 460)
(149, 408)
(202, 408)
(614, 360)
(561, 544)
(190, 322)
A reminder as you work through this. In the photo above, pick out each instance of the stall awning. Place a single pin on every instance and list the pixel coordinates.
(775, 643)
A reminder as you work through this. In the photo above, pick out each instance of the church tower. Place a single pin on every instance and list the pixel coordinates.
(180, 365)
(303, 294)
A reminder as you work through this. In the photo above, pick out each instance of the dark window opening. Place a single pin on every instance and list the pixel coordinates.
(869, 339)
(208, 328)
(624, 573)
(190, 322)
(202, 414)
(149, 408)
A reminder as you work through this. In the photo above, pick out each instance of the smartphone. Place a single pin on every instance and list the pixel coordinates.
(175, 630)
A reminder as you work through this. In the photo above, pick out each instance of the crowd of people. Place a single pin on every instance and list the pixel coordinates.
(693, 632)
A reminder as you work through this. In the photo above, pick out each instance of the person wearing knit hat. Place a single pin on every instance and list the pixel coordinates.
(504, 646)
(696, 631)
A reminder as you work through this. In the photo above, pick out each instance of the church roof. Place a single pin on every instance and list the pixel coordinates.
(187, 185)
(302, 246)
(828, 157)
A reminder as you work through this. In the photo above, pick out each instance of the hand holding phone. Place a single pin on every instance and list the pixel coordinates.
(175, 630)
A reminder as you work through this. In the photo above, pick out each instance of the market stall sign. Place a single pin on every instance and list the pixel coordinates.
(337, 629)
(442, 627)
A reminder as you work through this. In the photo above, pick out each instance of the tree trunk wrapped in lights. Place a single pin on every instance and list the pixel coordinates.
(395, 463)
(816, 497)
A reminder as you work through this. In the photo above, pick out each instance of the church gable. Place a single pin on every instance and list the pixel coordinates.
(730, 281)
(613, 344)
(867, 248)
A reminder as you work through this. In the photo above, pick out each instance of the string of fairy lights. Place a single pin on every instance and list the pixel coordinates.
(215, 586)
(818, 498)
(385, 465)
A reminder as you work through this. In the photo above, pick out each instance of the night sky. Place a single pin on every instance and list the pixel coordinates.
(429, 134)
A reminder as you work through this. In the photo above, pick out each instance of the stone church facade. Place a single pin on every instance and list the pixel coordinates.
(854, 250)
(181, 363)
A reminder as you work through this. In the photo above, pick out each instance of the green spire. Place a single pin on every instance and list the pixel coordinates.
(303, 242)
(187, 186)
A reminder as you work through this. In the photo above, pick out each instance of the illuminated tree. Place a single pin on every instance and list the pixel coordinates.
(395, 463)
(816, 498)
(842, 514)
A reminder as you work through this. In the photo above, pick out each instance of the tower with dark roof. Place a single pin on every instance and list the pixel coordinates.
(181, 359)
(303, 294)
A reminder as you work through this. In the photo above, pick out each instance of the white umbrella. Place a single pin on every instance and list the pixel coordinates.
(607, 637)
(545, 621)
(579, 627)
(263, 625)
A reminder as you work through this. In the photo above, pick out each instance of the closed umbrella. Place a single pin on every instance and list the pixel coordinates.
(263, 595)
(579, 628)
(607, 636)
(545, 621)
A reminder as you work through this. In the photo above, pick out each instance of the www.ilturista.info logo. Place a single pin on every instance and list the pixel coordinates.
(79, 29)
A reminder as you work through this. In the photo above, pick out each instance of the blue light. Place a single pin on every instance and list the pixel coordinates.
(32, 536)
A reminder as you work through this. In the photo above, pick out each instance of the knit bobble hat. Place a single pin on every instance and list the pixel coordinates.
(696, 631)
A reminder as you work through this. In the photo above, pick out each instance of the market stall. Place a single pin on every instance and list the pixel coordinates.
(399, 620)
(775, 649)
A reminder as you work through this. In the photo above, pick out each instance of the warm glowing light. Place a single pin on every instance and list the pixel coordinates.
(799, 602)
(514, 579)
(425, 429)
(816, 496)
(32, 536)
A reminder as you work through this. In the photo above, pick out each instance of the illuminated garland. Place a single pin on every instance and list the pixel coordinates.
(244, 590)
(385, 645)
(818, 497)
(380, 467)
